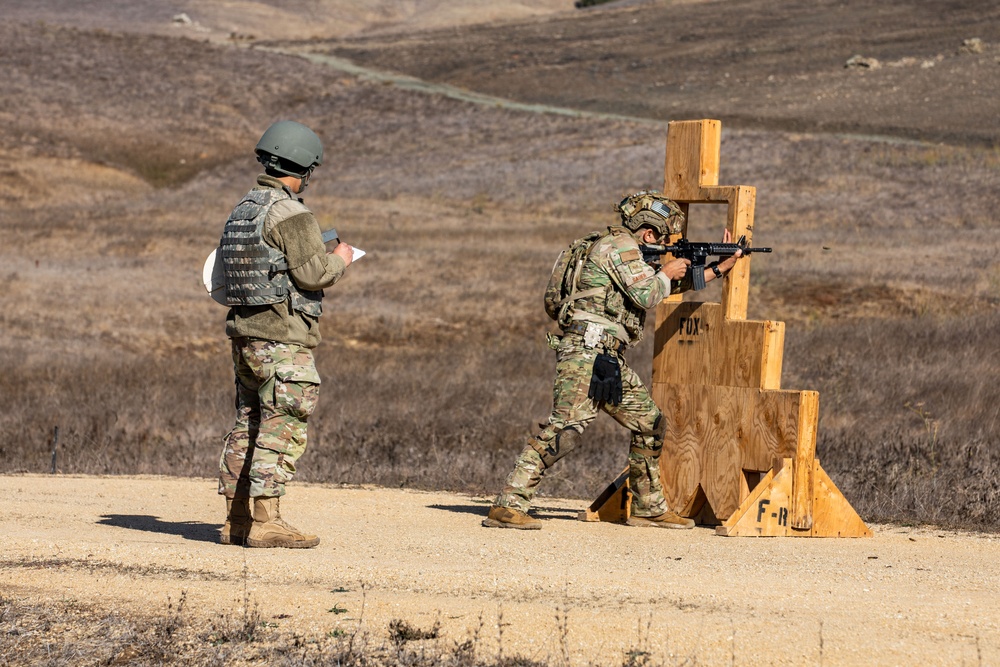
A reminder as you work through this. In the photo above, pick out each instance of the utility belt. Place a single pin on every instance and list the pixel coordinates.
(594, 335)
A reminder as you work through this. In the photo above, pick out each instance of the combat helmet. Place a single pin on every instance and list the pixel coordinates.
(289, 148)
(651, 209)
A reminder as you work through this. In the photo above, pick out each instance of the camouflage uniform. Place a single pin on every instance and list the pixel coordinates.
(277, 384)
(617, 287)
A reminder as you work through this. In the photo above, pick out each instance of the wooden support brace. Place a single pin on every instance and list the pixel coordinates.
(613, 505)
(767, 511)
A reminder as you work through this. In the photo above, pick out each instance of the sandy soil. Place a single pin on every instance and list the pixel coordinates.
(905, 596)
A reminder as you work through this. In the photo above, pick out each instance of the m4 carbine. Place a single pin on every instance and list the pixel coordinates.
(697, 253)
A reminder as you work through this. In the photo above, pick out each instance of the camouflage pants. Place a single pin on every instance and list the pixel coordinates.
(572, 412)
(277, 386)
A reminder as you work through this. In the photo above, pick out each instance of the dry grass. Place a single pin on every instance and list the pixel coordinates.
(434, 364)
(69, 633)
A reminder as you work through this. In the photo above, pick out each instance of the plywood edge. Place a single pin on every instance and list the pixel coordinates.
(833, 515)
(805, 454)
(773, 354)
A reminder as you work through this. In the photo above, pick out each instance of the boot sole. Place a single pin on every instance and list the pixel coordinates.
(238, 541)
(657, 524)
(493, 523)
(283, 544)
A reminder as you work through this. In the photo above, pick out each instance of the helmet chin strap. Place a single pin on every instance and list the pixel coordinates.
(305, 179)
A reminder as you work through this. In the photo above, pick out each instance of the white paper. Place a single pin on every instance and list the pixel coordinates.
(213, 276)
(358, 254)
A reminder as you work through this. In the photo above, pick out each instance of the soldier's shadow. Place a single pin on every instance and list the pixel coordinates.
(189, 530)
(480, 510)
(542, 512)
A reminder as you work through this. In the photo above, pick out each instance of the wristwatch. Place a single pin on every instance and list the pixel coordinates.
(715, 269)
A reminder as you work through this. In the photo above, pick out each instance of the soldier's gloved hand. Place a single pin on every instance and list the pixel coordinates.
(606, 381)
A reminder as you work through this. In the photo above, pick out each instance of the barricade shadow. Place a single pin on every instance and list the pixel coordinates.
(195, 531)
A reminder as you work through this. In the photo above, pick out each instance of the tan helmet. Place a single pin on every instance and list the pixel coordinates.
(647, 208)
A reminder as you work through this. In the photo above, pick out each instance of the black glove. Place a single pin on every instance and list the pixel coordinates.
(606, 382)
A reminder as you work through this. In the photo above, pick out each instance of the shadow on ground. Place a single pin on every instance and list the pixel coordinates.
(483, 510)
(189, 530)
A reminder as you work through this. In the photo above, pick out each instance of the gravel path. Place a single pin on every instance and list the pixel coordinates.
(589, 591)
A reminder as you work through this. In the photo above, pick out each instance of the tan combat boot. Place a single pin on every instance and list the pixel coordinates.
(269, 530)
(238, 522)
(666, 520)
(507, 517)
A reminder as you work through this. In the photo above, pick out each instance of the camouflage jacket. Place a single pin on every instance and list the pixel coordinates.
(293, 230)
(617, 287)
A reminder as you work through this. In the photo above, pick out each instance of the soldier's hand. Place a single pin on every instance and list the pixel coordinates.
(345, 252)
(676, 269)
(727, 265)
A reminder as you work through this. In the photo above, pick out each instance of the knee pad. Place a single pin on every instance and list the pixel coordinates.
(562, 444)
(658, 429)
(657, 433)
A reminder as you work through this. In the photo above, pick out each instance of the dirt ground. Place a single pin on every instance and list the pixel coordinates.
(908, 595)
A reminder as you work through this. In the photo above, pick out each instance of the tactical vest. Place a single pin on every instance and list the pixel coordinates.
(608, 303)
(257, 273)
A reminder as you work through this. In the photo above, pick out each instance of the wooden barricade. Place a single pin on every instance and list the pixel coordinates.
(739, 451)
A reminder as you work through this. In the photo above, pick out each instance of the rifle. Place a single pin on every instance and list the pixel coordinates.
(697, 253)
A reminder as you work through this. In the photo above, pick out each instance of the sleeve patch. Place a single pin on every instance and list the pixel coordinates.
(630, 255)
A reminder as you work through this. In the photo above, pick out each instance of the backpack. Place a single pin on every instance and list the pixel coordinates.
(561, 291)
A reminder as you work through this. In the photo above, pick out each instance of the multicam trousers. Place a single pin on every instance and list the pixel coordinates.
(277, 386)
(572, 412)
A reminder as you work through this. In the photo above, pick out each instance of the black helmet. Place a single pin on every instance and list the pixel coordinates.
(289, 148)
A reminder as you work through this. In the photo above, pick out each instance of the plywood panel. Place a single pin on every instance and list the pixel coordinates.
(713, 433)
(736, 288)
(721, 457)
(681, 460)
(682, 346)
(696, 344)
(697, 139)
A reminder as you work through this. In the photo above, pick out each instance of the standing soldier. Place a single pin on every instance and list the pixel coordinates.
(276, 267)
(599, 293)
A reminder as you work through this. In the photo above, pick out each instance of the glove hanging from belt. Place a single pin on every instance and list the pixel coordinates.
(606, 381)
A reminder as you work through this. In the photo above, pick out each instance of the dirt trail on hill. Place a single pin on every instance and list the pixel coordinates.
(906, 596)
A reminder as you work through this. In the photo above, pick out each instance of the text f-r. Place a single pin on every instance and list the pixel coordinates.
(761, 507)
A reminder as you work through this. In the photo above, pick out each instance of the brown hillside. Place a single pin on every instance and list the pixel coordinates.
(750, 63)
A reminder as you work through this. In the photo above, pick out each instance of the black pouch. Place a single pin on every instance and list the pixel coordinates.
(606, 382)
